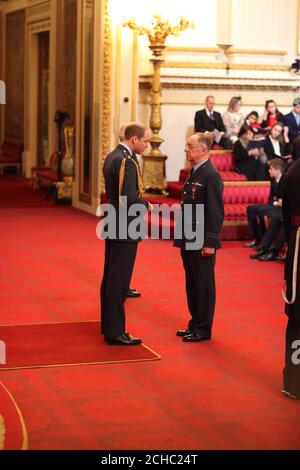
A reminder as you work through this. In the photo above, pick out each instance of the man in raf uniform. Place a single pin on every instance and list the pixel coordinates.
(203, 186)
(132, 292)
(122, 178)
(291, 221)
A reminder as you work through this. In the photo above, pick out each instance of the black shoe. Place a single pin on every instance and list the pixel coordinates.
(193, 337)
(133, 293)
(270, 256)
(258, 254)
(123, 340)
(251, 244)
(183, 332)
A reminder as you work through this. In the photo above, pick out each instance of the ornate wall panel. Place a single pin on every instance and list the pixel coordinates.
(69, 58)
(14, 74)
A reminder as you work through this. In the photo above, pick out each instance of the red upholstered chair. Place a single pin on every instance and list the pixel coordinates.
(11, 154)
(45, 175)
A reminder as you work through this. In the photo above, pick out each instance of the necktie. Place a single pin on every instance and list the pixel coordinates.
(211, 114)
(298, 119)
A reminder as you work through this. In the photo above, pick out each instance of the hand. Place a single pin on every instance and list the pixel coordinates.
(253, 152)
(207, 251)
(150, 207)
(265, 115)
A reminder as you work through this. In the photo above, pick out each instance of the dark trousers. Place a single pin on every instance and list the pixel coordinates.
(200, 290)
(118, 267)
(275, 222)
(256, 223)
(291, 372)
(279, 242)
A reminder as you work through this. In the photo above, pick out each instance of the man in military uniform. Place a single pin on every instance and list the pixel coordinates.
(132, 292)
(203, 186)
(291, 221)
(122, 178)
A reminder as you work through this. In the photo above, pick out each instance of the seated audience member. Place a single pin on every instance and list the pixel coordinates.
(296, 149)
(208, 120)
(251, 162)
(274, 146)
(271, 115)
(252, 120)
(265, 237)
(233, 119)
(291, 123)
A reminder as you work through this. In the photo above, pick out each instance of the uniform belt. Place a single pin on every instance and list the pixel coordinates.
(296, 220)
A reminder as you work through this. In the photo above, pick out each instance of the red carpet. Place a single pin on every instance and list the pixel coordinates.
(64, 344)
(13, 433)
(221, 394)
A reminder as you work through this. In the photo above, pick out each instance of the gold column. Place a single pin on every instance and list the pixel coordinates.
(154, 167)
(154, 172)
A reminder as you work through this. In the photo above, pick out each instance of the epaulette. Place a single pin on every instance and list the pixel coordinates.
(127, 156)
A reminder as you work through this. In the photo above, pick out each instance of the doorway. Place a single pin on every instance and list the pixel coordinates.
(43, 98)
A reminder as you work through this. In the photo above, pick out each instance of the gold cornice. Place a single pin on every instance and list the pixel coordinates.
(192, 49)
(246, 183)
(181, 77)
(254, 52)
(231, 50)
(106, 85)
(40, 26)
(224, 65)
(219, 86)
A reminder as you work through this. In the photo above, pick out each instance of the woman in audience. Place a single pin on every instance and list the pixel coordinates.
(274, 146)
(250, 162)
(233, 119)
(271, 115)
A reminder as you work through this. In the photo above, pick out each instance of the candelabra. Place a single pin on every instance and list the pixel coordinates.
(154, 163)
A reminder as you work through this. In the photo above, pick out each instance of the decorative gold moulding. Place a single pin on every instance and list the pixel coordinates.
(153, 172)
(224, 65)
(154, 175)
(231, 50)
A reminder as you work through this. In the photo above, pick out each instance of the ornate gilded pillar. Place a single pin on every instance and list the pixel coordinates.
(154, 168)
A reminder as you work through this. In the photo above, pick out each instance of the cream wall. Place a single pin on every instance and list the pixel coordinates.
(264, 38)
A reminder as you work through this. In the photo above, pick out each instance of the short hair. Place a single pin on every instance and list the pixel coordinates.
(245, 128)
(134, 130)
(209, 96)
(253, 113)
(277, 164)
(296, 101)
(205, 139)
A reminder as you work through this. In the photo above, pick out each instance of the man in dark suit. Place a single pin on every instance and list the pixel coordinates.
(208, 120)
(265, 237)
(291, 221)
(204, 188)
(122, 178)
(291, 122)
